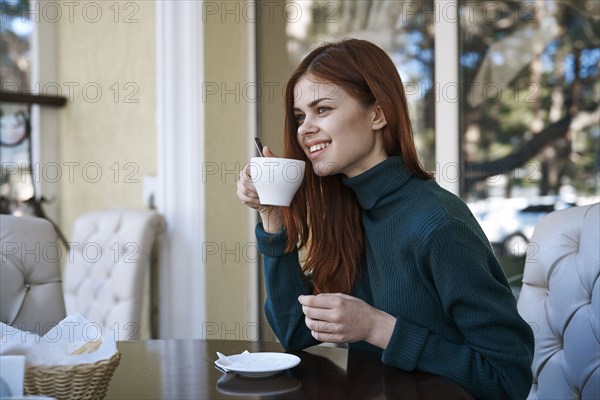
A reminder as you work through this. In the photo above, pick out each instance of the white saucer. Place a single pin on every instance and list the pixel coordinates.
(258, 365)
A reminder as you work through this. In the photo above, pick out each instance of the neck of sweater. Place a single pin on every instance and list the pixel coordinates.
(379, 182)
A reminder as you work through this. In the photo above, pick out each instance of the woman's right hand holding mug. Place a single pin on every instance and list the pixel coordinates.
(272, 216)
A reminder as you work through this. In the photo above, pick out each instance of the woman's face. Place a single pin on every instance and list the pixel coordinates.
(337, 133)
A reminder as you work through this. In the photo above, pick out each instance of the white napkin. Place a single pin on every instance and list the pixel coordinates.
(61, 345)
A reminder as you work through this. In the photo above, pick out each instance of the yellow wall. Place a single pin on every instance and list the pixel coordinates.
(228, 292)
(274, 71)
(111, 131)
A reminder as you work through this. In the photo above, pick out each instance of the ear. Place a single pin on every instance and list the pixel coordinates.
(379, 121)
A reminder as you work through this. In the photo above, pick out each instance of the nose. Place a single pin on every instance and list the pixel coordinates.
(308, 126)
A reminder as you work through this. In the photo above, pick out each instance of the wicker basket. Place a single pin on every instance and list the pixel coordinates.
(84, 381)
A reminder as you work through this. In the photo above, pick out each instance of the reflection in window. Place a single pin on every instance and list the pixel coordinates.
(404, 29)
(529, 114)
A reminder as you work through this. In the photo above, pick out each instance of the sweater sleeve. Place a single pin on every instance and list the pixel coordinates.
(284, 282)
(494, 360)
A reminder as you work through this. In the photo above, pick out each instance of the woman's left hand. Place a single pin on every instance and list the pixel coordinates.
(340, 318)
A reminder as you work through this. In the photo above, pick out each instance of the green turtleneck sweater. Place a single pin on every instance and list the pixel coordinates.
(428, 264)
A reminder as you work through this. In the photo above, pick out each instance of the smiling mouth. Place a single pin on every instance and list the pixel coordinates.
(317, 147)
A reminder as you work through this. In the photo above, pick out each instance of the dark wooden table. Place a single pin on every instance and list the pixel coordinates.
(184, 369)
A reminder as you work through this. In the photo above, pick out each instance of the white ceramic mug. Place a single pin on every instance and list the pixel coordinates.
(276, 179)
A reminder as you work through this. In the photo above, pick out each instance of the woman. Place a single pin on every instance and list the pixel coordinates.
(391, 262)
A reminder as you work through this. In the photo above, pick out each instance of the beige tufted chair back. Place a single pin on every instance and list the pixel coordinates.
(105, 275)
(30, 285)
(560, 298)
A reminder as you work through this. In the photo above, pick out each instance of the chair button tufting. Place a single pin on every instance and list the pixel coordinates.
(27, 287)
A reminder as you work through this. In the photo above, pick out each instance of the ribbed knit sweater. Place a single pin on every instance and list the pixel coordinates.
(429, 264)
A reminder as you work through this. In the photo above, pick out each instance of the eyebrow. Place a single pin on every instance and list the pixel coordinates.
(313, 103)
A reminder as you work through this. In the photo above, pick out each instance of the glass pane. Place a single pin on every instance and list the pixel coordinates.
(13, 137)
(529, 115)
(16, 186)
(15, 39)
(404, 29)
(289, 30)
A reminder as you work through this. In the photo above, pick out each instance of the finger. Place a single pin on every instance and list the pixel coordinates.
(323, 337)
(248, 199)
(320, 301)
(245, 174)
(320, 326)
(250, 203)
(310, 301)
(247, 190)
(267, 152)
(245, 180)
(246, 194)
(321, 314)
(327, 337)
(334, 295)
(323, 331)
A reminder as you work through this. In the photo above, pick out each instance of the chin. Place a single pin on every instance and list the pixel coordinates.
(325, 168)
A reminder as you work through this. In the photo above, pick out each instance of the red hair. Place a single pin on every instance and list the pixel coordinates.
(325, 217)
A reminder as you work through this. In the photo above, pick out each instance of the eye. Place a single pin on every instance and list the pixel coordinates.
(321, 110)
(299, 118)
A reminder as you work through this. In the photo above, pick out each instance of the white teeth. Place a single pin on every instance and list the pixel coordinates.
(318, 147)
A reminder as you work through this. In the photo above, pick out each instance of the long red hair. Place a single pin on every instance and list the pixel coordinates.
(325, 218)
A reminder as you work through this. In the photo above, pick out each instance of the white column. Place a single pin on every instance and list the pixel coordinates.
(447, 129)
(254, 302)
(180, 193)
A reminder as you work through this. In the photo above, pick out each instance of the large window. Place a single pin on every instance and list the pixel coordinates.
(289, 30)
(528, 94)
(530, 121)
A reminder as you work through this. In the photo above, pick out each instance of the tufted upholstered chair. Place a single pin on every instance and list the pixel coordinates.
(105, 275)
(560, 299)
(31, 296)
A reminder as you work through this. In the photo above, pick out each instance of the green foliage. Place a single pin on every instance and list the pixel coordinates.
(560, 78)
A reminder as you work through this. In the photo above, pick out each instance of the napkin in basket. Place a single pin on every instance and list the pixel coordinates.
(74, 341)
